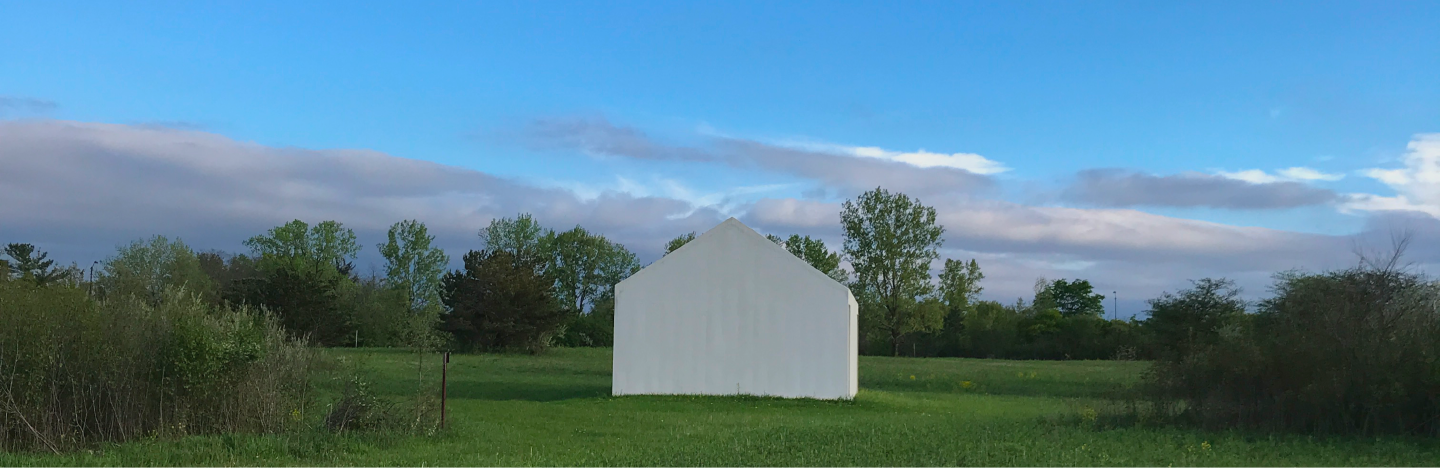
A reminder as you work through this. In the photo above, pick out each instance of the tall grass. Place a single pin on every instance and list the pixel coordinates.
(74, 371)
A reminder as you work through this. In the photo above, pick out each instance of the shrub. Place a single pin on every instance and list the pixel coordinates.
(75, 371)
(146, 268)
(1194, 317)
(1355, 350)
(359, 409)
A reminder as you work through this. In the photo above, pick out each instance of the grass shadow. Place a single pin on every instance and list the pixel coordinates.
(527, 391)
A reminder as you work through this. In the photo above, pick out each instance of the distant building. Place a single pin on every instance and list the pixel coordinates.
(733, 313)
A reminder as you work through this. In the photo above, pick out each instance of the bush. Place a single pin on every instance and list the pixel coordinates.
(75, 371)
(359, 409)
(146, 268)
(1355, 350)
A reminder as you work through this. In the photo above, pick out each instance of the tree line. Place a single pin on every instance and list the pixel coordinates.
(529, 287)
(1352, 350)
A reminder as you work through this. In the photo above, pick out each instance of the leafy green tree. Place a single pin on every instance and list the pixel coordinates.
(519, 236)
(1038, 321)
(305, 279)
(814, 252)
(382, 317)
(990, 330)
(891, 239)
(413, 270)
(146, 268)
(327, 245)
(1193, 317)
(412, 265)
(29, 264)
(960, 284)
(1076, 298)
(678, 242)
(959, 287)
(500, 301)
(586, 266)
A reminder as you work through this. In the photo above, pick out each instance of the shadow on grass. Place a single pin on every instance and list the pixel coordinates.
(528, 391)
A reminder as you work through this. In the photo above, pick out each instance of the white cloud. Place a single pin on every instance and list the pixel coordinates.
(968, 161)
(1416, 186)
(1254, 176)
(1292, 174)
(923, 159)
(1308, 174)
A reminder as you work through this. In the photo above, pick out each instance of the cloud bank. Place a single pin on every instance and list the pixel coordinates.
(1121, 188)
(76, 182)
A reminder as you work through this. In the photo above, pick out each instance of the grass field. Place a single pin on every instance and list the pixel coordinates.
(555, 409)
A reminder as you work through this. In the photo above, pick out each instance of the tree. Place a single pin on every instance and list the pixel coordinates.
(1194, 316)
(813, 251)
(305, 279)
(1076, 298)
(310, 302)
(959, 287)
(30, 264)
(412, 265)
(519, 236)
(227, 271)
(328, 244)
(678, 242)
(585, 266)
(990, 329)
(4, 270)
(891, 240)
(960, 284)
(146, 268)
(501, 301)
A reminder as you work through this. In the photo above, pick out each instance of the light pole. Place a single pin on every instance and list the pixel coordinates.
(1114, 305)
(90, 287)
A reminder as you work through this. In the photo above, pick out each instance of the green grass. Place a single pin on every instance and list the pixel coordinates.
(555, 409)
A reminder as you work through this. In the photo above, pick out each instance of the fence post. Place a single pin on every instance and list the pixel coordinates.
(444, 372)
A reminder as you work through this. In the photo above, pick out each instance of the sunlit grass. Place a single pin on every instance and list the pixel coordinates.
(555, 409)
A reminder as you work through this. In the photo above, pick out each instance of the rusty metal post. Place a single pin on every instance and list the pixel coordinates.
(444, 371)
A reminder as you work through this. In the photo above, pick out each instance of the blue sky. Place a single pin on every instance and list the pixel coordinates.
(1047, 90)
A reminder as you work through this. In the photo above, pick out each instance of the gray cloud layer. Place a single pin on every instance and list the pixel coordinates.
(849, 174)
(84, 183)
(1121, 188)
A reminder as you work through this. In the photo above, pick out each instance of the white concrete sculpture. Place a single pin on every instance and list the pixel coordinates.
(733, 313)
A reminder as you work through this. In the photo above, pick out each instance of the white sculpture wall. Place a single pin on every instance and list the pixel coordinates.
(733, 313)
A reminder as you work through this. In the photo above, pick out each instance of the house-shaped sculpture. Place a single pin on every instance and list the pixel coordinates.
(733, 313)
